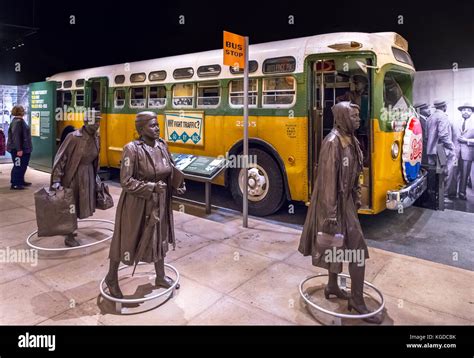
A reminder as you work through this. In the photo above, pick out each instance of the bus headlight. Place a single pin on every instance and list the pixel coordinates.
(395, 150)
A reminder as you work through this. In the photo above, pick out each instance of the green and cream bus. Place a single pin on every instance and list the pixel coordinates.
(292, 87)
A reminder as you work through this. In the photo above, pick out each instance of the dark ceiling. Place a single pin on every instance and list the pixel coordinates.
(111, 32)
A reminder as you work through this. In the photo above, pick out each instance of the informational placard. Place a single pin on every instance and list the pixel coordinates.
(35, 124)
(42, 96)
(181, 161)
(184, 128)
(205, 167)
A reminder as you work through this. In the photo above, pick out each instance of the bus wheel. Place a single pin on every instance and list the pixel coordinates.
(265, 184)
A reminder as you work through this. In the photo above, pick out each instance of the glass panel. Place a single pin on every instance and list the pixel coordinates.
(279, 90)
(67, 98)
(253, 66)
(157, 96)
(80, 82)
(209, 71)
(208, 94)
(119, 98)
(237, 92)
(137, 77)
(157, 76)
(187, 72)
(183, 94)
(80, 98)
(137, 97)
(119, 79)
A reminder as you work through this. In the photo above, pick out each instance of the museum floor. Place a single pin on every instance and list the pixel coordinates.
(229, 275)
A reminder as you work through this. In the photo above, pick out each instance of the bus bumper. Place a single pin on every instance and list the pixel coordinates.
(406, 196)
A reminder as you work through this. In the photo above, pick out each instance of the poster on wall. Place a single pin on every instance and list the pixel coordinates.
(43, 125)
(35, 124)
(445, 102)
(184, 128)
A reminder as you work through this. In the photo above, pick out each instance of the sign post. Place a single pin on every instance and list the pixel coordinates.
(236, 54)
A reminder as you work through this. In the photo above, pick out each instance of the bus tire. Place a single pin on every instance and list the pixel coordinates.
(267, 195)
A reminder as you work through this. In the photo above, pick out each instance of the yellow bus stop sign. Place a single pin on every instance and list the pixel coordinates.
(234, 50)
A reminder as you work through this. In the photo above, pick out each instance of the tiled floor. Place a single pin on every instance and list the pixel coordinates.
(229, 275)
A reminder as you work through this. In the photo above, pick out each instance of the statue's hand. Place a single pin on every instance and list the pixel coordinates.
(160, 187)
(57, 186)
(182, 189)
(462, 140)
(330, 226)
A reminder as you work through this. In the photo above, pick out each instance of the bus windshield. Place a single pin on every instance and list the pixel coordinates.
(396, 104)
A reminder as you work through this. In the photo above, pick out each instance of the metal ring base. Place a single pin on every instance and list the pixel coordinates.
(305, 297)
(169, 292)
(56, 249)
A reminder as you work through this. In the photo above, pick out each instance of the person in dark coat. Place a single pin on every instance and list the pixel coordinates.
(355, 95)
(440, 132)
(2, 142)
(465, 146)
(75, 166)
(20, 147)
(333, 208)
(144, 226)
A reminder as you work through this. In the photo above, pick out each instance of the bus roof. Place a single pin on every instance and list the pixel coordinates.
(380, 43)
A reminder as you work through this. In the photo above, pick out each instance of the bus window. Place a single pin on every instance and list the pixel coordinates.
(137, 97)
(236, 93)
(157, 96)
(183, 95)
(67, 98)
(119, 98)
(80, 98)
(396, 108)
(209, 94)
(395, 85)
(279, 91)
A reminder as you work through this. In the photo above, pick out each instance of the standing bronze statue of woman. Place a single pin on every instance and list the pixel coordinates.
(333, 209)
(144, 225)
(75, 166)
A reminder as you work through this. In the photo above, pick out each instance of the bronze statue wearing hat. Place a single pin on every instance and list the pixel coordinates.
(463, 136)
(144, 226)
(75, 166)
(332, 213)
(440, 132)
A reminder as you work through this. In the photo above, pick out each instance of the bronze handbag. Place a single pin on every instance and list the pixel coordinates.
(327, 241)
(104, 200)
(55, 214)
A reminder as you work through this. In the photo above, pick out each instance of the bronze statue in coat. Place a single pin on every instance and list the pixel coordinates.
(333, 208)
(75, 166)
(144, 226)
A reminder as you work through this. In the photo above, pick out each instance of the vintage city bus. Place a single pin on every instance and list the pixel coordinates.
(292, 86)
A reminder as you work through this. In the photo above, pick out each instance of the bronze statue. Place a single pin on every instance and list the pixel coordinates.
(333, 209)
(75, 166)
(144, 225)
